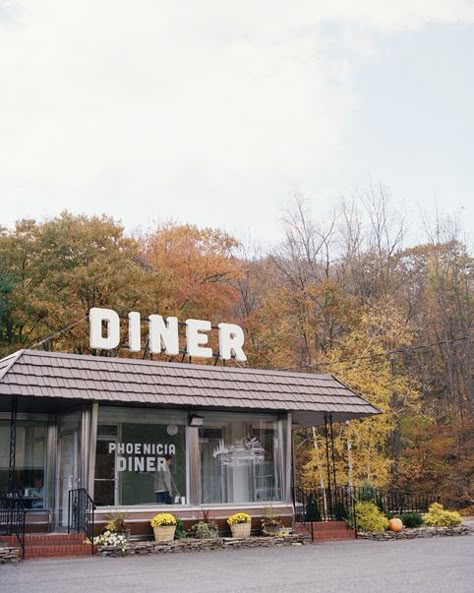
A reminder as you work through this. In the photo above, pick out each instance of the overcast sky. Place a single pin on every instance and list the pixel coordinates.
(215, 112)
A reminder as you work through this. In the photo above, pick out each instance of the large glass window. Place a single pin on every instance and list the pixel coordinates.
(240, 458)
(140, 456)
(30, 460)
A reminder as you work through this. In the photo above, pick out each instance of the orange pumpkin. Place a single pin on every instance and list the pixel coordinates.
(395, 525)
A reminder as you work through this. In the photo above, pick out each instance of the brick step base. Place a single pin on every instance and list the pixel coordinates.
(36, 538)
(59, 551)
(333, 535)
(49, 545)
(326, 530)
(329, 525)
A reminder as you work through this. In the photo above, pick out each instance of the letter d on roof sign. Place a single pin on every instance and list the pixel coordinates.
(101, 319)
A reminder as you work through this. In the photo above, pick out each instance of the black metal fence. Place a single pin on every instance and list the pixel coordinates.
(13, 516)
(338, 504)
(81, 510)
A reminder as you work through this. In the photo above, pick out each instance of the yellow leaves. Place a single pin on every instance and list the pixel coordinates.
(380, 327)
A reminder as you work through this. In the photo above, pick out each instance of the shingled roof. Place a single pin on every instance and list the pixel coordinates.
(33, 373)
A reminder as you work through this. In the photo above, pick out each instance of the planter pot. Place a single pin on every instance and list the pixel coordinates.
(241, 530)
(274, 530)
(127, 533)
(164, 533)
(207, 535)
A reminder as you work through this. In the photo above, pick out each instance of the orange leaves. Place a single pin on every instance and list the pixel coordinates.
(192, 271)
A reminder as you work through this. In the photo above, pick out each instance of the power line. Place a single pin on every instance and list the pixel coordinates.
(390, 352)
(58, 333)
(322, 363)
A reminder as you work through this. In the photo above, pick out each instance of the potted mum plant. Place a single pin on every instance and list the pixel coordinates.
(240, 524)
(205, 528)
(164, 527)
(116, 522)
(272, 524)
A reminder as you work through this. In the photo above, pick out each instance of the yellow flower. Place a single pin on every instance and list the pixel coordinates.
(239, 518)
(163, 520)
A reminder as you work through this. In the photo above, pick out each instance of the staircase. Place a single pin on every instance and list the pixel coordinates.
(50, 545)
(326, 530)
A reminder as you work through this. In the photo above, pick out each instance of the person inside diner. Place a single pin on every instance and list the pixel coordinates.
(37, 493)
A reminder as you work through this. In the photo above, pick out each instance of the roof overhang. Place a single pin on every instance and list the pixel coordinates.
(61, 380)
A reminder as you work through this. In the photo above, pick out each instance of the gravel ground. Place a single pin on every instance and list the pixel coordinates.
(441, 565)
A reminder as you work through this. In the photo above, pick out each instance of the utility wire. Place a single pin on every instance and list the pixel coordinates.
(58, 333)
(309, 366)
(390, 352)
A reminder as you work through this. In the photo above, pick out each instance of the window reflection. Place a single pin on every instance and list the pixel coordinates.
(139, 453)
(30, 461)
(240, 459)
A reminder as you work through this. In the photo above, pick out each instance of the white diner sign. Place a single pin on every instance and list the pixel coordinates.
(163, 335)
(141, 457)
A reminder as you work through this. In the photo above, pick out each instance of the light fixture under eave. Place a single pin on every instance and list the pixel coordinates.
(195, 420)
(172, 429)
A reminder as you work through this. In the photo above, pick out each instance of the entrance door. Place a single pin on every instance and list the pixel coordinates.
(68, 477)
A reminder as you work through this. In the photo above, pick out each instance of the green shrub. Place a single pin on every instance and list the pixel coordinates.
(380, 505)
(204, 530)
(437, 516)
(312, 512)
(180, 532)
(369, 517)
(367, 492)
(340, 511)
(412, 520)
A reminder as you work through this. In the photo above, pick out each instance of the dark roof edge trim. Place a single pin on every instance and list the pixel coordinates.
(356, 393)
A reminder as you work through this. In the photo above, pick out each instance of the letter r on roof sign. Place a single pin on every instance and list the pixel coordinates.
(231, 340)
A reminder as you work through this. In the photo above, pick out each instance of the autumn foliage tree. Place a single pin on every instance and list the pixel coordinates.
(343, 296)
(54, 272)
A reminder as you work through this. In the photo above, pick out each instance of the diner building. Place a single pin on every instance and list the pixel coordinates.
(109, 425)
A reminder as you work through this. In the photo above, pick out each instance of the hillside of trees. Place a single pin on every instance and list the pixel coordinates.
(346, 297)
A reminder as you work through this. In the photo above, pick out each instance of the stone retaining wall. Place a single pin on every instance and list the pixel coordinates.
(418, 533)
(191, 545)
(9, 554)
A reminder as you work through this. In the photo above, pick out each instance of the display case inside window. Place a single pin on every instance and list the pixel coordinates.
(140, 453)
(30, 460)
(241, 459)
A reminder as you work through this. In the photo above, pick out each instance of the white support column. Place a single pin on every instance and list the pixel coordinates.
(94, 416)
(52, 469)
(84, 447)
(289, 458)
(194, 483)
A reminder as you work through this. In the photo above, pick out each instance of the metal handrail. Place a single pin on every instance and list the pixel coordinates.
(81, 509)
(13, 516)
